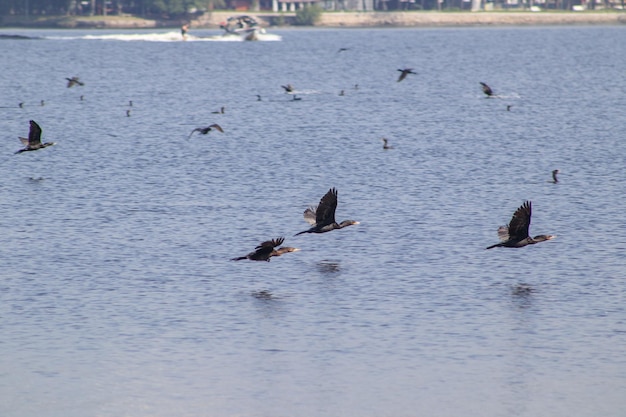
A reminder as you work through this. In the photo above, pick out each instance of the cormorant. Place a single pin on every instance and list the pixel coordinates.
(205, 130)
(385, 144)
(128, 113)
(21, 105)
(71, 82)
(288, 88)
(342, 93)
(33, 142)
(486, 89)
(296, 98)
(220, 111)
(515, 234)
(508, 107)
(322, 217)
(266, 250)
(405, 72)
(554, 174)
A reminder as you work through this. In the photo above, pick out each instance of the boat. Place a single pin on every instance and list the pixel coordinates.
(243, 26)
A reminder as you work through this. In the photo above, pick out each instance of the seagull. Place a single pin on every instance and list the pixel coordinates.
(486, 89)
(33, 142)
(385, 145)
(71, 82)
(205, 130)
(405, 72)
(265, 251)
(322, 217)
(515, 234)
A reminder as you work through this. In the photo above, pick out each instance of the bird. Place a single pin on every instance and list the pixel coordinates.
(288, 88)
(71, 82)
(220, 111)
(342, 49)
(322, 217)
(258, 98)
(266, 250)
(82, 98)
(342, 93)
(515, 234)
(385, 144)
(486, 89)
(21, 105)
(205, 130)
(554, 174)
(130, 103)
(405, 72)
(128, 113)
(296, 98)
(43, 103)
(508, 107)
(33, 142)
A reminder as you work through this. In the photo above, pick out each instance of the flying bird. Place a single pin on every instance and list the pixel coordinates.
(405, 72)
(266, 250)
(33, 142)
(486, 89)
(288, 88)
(322, 217)
(71, 82)
(205, 130)
(515, 234)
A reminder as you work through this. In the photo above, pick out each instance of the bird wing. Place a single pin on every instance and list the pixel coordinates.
(486, 89)
(325, 213)
(271, 244)
(402, 76)
(23, 140)
(197, 129)
(218, 127)
(34, 135)
(520, 222)
(309, 215)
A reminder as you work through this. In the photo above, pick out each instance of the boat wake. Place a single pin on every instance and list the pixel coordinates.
(173, 36)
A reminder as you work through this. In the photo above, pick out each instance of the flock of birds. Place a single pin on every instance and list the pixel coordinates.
(322, 217)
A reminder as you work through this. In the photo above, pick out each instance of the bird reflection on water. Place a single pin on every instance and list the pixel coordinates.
(329, 267)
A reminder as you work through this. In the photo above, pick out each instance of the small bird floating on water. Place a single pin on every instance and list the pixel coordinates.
(508, 107)
(71, 82)
(33, 142)
(554, 174)
(258, 97)
(322, 217)
(220, 111)
(486, 89)
(405, 72)
(265, 251)
(386, 144)
(515, 234)
(205, 130)
(296, 98)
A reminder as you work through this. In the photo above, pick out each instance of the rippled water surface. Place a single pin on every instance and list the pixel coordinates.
(117, 295)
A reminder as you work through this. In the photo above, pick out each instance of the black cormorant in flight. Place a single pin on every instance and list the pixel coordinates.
(266, 250)
(205, 130)
(405, 72)
(33, 142)
(486, 89)
(71, 82)
(322, 217)
(515, 234)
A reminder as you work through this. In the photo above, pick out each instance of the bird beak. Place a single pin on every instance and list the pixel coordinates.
(550, 237)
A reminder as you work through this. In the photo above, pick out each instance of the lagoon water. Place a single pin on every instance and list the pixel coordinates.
(117, 295)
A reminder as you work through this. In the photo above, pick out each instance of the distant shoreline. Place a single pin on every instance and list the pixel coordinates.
(334, 20)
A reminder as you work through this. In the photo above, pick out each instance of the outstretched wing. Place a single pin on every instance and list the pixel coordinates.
(24, 141)
(217, 127)
(309, 215)
(486, 89)
(34, 135)
(520, 222)
(271, 244)
(198, 129)
(325, 213)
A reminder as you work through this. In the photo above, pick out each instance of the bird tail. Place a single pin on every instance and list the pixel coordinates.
(493, 246)
(239, 258)
(304, 231)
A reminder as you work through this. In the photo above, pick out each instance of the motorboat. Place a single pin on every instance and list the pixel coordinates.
(243, 26)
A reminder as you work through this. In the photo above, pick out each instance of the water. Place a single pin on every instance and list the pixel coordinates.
(117, 295)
